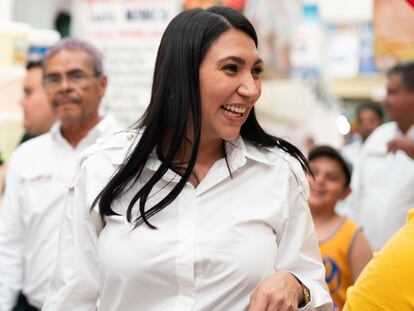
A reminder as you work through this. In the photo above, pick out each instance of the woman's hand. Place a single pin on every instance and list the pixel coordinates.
(280, 291)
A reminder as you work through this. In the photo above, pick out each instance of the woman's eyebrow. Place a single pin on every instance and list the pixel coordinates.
(239, 60)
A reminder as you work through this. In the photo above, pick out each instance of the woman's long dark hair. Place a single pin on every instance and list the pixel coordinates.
(175, 98)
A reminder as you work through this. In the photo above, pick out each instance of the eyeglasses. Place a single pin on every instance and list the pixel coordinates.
(76, 77)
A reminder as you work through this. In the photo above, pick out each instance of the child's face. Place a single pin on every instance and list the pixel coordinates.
(328, 187)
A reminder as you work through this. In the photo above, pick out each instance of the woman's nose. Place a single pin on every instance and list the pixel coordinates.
(249, 88)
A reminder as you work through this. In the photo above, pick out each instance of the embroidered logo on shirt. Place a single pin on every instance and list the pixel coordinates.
(37, 179)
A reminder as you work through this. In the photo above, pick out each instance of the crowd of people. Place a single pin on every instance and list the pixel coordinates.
(197, 207)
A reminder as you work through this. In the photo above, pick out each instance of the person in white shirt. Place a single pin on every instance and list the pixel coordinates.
(40, 170)
(369, 117)
(38, 116)
(384, 176)
(198, 208)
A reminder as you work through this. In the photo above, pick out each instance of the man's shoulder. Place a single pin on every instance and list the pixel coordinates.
(109, 125)
(33, 147)
(388, 128)
(380, 137)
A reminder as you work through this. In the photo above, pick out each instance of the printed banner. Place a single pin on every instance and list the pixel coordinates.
(128, 33)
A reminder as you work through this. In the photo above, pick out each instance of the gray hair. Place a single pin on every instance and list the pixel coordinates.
(406, 72)
(77, 44)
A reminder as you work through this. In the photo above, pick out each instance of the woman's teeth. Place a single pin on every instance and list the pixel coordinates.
(234, 110)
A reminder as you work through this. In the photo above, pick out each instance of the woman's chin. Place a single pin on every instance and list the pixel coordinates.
(231, 135)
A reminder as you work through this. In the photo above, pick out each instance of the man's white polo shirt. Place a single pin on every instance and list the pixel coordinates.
(36, 182)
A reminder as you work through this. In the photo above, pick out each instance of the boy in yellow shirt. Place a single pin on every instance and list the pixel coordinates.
(344, 249)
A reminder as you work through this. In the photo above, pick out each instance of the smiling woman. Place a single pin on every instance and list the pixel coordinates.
(229, 85)
(198, 208)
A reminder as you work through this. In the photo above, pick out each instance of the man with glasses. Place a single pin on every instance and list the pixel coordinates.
(40, 169)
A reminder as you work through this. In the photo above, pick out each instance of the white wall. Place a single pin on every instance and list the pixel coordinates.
(6, 7)
(38, 13)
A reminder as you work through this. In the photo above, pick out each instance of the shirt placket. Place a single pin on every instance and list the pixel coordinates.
(186, 250)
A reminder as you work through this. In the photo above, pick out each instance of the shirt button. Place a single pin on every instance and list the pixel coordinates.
(100, 140)
(130, 137)
(199, 274)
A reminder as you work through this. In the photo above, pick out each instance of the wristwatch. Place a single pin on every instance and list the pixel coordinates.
(306, 295)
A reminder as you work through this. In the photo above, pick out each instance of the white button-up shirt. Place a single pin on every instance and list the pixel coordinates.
(213, 245)
(37, 178)
(382, 186)
(352, 151)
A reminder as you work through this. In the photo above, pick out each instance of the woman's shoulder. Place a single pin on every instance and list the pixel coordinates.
(282, 161)
(100, 160)
(112, 149)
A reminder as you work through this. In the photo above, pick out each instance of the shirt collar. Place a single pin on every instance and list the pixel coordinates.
(105, 125)
(410, 132)
(238, 152)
